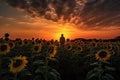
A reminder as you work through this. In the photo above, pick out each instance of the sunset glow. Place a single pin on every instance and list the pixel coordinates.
(62, 30)
(60, 39)
(21, 22)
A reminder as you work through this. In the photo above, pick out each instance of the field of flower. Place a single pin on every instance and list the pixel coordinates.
(39, 59)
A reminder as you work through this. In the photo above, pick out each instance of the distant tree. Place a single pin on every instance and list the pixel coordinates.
(118, 37)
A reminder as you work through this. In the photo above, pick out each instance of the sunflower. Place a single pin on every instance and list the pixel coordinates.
(68, 46)
(33, 42)
(17, 64)
(53, 51)
(4, 48)
(11, 44)
(110, 47)
(81, 43)
(102, 55)
(112, 52)
(80, 48)
(20, 43)
(26, 42)
(94, 44)
(37, 48)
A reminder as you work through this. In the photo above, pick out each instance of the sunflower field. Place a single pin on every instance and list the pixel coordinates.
(79, 59)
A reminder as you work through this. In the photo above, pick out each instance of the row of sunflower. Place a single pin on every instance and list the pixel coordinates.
(48, 60)
(27, 59)
(89, 60)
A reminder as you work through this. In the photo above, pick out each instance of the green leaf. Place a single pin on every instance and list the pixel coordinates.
(53, 76)
(6, 58)
(53, 59)
(107, 63)
(94, 64)
(55, 71)
(34, 56)
(40, 69)
(105, 78)
(38, 77)
(25, 72)
(38, 62)
(109, 76)
(109, 68)
(4, 71)
(7, 77)
(92, 73)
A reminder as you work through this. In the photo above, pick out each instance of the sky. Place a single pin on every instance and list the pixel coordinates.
(48, 19)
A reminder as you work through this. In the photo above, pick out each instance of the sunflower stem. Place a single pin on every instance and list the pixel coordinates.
(100, 73)
(46, 71)
(15, 78)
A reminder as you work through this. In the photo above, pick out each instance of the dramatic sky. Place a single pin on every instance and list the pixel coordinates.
(48, 19)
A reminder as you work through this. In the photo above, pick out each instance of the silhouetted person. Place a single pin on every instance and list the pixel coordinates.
(62, 39)
(6, 35)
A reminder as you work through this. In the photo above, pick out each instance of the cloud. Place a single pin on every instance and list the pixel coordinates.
(32, 24)
(102, 13)
(1, 17)
(90, 14)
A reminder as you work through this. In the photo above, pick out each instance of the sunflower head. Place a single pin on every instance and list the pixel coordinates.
(80, 48)
(26, 42)
(102, 55)
(94, 44)
(33, 42)
(112, 52)
(110, 47)
(37, 48)
(12, 45)
(68, 46)
(53, 51)
(17, 64)
(20, 43)
(81, 43)
(4, 48)
(74, 51)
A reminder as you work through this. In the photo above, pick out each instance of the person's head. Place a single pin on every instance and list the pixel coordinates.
(62, 35)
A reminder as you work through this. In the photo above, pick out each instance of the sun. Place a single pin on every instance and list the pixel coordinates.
(60, 31)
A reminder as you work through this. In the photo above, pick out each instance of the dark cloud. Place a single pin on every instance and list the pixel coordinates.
(17, 3)
(102, 13)
(49, 9)
(91, 13)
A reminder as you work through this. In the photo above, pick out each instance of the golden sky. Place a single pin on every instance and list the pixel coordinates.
(18, 23)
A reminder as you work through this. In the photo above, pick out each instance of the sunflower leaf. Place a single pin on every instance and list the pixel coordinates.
(109, 68)
(94, 64)
(53, 70)
(38, 62)
(52, 59)
(110, 77)
(7, 77)
(38, 77)
(25, 72)
(53, 76)
(106, 78)
(107, 63)
(92, 74)
(40, 69)
(4, 71)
